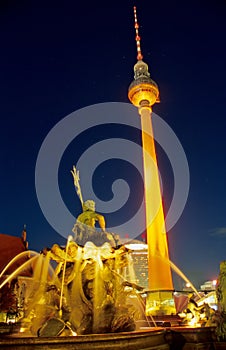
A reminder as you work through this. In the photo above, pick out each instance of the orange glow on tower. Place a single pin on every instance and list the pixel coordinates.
(143, 93)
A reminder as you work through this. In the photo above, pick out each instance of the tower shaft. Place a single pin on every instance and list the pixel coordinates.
(159, 271)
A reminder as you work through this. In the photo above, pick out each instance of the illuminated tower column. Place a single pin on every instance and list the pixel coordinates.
(143, 93)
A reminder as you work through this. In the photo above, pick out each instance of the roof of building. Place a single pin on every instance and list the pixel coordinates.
(10, 247)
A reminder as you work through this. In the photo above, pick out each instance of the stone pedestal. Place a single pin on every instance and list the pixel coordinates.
(160, 303)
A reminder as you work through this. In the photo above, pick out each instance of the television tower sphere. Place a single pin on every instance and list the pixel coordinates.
(143, 90)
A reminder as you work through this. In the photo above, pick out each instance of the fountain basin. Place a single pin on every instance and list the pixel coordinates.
(152, 339)
(191, 338)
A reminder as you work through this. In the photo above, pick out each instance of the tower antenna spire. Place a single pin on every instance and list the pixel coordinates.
(137, 38)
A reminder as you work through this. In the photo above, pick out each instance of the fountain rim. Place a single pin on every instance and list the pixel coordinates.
(88, 338)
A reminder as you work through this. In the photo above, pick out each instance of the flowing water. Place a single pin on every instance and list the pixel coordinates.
(17, 272)
(27, 253)
(92, 288)
(182, 275)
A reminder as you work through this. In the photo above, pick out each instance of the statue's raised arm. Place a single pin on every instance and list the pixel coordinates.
(75, 174)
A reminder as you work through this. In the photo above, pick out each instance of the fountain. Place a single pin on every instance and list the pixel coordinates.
(80, 294)
(84, 299)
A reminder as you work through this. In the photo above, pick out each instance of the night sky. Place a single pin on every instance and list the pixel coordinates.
(58, 57)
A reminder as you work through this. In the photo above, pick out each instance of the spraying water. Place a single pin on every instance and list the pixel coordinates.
(17, 258)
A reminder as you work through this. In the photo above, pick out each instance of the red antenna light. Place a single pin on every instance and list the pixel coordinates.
(137, 38)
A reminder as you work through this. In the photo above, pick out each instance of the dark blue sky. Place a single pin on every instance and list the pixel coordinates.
(57, 57)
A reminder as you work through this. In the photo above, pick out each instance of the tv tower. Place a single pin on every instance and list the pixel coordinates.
(144, 93)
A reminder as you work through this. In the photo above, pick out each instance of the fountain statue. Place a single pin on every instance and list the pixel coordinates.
(198, 315)
(86, 293)
(84, 228)
(221, 296)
